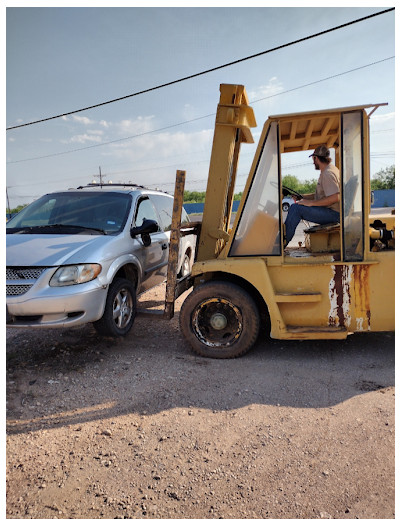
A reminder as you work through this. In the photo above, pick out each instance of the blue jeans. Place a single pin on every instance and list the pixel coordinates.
(315, 214)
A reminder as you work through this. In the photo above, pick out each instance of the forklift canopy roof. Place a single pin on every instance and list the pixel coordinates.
(306, 131)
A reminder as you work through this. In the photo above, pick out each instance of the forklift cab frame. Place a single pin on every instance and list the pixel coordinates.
(260, 227)
(244, 280)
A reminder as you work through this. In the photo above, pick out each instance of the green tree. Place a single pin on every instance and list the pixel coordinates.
(302, 187)
(384, 179)
(291, 182)
(15, 210)
(308, 187)
(193, 197)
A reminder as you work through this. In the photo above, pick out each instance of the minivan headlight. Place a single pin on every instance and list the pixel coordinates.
(74, 274)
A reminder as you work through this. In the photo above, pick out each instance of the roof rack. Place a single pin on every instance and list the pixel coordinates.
(110, 184)
(121, 185)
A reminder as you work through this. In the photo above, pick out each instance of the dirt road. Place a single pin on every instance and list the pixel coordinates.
(143, 428)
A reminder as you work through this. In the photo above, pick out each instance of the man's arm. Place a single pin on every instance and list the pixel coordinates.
(325, 201)
(308, 196)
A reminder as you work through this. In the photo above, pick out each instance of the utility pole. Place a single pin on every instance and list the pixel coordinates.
(100, 176)
(8, 201)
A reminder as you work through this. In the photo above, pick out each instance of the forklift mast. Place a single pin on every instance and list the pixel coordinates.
(234, 119)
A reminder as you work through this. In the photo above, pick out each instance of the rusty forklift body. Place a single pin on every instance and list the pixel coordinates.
(339, 281)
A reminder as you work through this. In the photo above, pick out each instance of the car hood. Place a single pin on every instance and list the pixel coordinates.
(52, 250)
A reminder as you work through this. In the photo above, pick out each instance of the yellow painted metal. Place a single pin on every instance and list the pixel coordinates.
(298, 297)
(289, 315)
(378, 294)
(317, 301)
(232, 126)
(325, 241)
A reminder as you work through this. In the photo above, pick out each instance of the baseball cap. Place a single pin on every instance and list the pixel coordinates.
(321, 151)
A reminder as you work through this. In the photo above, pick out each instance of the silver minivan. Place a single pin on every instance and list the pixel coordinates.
(85, 255)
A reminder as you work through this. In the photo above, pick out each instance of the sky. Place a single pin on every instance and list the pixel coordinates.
(61, 59)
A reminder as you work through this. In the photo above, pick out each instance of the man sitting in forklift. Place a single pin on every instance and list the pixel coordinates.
(322, 207)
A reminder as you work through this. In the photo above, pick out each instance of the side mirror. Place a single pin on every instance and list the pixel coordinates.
(147, 227)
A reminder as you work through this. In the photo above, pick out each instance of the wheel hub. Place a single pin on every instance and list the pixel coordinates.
(122, 311)
(218, 321)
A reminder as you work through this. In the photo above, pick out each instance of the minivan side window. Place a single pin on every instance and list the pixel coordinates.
(145, 210)
(164, 205)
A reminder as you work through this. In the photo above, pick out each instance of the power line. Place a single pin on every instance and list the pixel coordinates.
(326, 78)
(285, 167)
(111, 142)
(197, 118)
(182, 79)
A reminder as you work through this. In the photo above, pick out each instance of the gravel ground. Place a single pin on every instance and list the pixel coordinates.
(142, 428)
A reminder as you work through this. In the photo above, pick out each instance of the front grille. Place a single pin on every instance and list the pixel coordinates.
(24, 272)
(21, 279)
(17, 290)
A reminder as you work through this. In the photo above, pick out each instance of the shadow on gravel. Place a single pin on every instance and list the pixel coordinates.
(62, 378)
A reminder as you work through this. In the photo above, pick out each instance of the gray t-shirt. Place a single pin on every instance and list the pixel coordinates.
(328, 184)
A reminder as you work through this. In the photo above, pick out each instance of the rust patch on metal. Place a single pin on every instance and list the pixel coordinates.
(349, 296)
(339, 296)
(362, 297)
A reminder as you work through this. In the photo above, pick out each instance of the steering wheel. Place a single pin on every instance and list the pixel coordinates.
(288, 191)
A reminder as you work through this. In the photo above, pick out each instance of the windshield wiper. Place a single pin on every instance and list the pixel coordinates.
(58, 226)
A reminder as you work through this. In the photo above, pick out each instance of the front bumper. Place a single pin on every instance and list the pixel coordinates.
(52, 307)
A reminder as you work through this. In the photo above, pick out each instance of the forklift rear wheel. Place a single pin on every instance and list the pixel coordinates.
(220, 320)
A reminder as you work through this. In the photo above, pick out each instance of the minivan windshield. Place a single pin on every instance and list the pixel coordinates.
(73, 212)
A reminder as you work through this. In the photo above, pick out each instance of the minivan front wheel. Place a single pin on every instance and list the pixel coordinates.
(120, 309)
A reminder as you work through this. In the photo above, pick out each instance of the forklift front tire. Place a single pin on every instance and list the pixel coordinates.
(220, 320)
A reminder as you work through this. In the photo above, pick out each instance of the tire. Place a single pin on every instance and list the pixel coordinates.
(285, 207)
(220, 320)
(186, 267)
(120, 309)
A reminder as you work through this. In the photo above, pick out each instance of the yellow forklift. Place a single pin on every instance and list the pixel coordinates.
(337, 280)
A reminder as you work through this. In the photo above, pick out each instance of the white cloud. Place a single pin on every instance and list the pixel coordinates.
(384, 118)
(136, 126)
(265, 91)
(166, 145)
(95, 132)
(154, 158)
(82, 120)
(190, 111)
(77, 118)
(84, 138)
